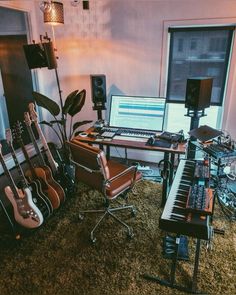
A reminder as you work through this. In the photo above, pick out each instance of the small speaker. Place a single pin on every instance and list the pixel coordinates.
(198, 93)
(50, 55)
(40, 55)
(98, 89)
(35, 56)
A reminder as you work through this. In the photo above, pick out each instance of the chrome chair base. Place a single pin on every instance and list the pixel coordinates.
(109, 212)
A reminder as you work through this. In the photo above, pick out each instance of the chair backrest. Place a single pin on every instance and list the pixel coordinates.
(91, 164)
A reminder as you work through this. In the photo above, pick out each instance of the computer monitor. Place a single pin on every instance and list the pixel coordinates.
(137, 112)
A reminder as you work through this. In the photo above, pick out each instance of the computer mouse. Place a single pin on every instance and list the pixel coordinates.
(151, 140)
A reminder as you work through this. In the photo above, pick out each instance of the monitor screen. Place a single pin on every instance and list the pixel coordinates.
(138, 112)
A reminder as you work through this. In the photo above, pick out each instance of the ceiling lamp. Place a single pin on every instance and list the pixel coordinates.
(53, 13)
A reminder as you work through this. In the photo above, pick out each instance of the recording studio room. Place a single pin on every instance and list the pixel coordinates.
(117, 147)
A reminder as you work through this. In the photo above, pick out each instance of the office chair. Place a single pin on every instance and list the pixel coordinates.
(109, 177)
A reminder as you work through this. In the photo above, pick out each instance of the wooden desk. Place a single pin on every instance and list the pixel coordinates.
(168, 161)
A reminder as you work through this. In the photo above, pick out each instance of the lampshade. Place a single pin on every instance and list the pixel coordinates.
(55, 15)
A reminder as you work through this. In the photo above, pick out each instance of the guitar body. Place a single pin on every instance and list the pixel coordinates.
(25, 211)
(40, 199)
(45, 182)
(65, 174)
(54, 183)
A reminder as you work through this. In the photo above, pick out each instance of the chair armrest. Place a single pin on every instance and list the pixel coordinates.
(126, 171)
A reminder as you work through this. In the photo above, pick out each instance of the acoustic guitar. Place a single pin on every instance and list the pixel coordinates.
(37, 172)
(53, 183)
(39, 199)
(61, 171)
(25, 211)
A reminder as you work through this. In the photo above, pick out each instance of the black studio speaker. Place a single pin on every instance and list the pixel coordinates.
(40, 55)
(35, 56)
(98, 89)
(198, 93)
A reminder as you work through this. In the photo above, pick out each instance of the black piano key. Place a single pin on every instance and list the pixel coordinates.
(180, 211)
(177, 217)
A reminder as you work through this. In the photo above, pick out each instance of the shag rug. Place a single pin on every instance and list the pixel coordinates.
(59, 258)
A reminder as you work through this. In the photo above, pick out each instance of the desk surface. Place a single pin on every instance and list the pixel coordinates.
(131, 144)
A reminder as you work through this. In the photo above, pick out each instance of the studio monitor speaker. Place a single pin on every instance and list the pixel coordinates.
(198, 93)
(40, 55)
(98, 89)
(35, 56)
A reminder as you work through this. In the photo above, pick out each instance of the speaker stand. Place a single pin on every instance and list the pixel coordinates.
(99, 113)
(195, 116)
(61, 104)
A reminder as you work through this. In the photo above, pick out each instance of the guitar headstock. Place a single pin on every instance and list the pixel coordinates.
(27, 119)
(17, 131)
(8, 136)
(33, 113)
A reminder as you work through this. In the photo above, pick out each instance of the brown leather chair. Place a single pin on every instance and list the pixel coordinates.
(110, 177)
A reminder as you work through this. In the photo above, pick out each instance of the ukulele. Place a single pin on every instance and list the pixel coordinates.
(62, 172)
(25, 211)
(56, 186)
(38, 197)
(37, 173)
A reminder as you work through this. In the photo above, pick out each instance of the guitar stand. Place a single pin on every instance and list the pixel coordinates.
(171, 282)
(11, 223)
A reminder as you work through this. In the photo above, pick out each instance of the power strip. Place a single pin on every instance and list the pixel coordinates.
(143, 168)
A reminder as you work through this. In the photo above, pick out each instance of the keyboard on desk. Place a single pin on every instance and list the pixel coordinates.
(125, 132)
(175, 218)
(130, 138)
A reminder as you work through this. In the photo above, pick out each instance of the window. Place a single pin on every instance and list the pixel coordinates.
(205, 53)
(213, 47)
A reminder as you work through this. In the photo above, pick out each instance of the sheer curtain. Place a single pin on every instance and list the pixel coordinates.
(4, 122)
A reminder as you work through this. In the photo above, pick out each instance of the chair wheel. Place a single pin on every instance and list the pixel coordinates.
(93, 240)
(81, 216)
(134, 212)
(130, 233)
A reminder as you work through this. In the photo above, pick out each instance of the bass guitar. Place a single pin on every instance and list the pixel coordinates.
(62, 172)
(36, 172)
(25, 211)
(55, 185)
(39, 199)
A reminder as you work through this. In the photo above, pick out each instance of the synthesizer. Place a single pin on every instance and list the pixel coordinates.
(175, 218)
(219, 150)
(200, 200)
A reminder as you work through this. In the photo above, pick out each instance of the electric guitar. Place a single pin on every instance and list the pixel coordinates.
(25, 211)
(62, 172)
(55, 185)
(37, 172)
(38, 197)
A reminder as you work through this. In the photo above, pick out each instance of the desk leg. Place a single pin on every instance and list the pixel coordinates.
(108, 152)
(165, 176)
(172, 162)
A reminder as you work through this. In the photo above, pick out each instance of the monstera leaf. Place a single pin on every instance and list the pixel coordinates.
(78, 103)
(69, 101)
(47, 103)
(78, 124)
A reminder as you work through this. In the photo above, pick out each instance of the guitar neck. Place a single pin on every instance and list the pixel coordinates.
(27, 158)
(8, 174)
(17, 164)
(52, 163)
(33, 139)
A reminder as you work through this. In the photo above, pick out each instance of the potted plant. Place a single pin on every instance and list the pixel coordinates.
(73, 104)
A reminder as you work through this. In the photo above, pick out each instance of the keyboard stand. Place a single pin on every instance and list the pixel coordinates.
(171, 282)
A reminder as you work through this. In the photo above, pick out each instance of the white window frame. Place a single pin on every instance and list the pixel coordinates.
(222, 115)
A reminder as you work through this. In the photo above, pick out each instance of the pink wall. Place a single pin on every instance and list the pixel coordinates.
(126, 41)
